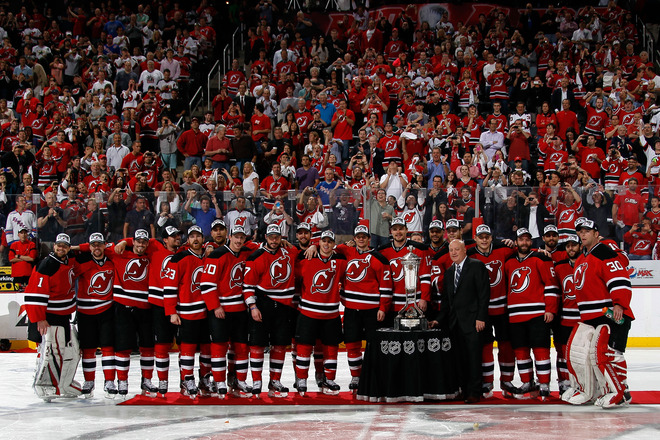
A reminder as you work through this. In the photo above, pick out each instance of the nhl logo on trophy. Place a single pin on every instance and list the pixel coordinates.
(411, 317)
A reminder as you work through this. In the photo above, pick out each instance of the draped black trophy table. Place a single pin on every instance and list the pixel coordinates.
(408, 366)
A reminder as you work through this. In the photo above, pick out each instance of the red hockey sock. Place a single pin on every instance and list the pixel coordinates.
(294, 353)
(507, 361)
(524, 362)
(108, 362)
(277, 354)
(187, 359)
(354, 353)
(241, 360)
(122, 362)
(218, 361)
(487, 363)
(204, 359)
(330, 361)
(542, 363)
(162, 355)
(562, 368)
(89, 363)
(231, 358)
(302, 361)
(256, 362)
(147, 361)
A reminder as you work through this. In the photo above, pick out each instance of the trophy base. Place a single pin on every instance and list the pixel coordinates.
(409, 324)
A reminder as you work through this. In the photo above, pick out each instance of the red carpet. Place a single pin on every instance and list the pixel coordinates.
(346, 398)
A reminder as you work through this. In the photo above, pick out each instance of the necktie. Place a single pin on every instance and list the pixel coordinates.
(457, 276)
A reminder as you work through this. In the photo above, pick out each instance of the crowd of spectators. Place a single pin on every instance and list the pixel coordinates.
(513, 121)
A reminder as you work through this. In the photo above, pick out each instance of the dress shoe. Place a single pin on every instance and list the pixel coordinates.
(472, 399)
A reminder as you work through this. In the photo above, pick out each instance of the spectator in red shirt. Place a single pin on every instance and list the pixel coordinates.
(191, 144)
(628, 209)
(22, 254)
(641, 239)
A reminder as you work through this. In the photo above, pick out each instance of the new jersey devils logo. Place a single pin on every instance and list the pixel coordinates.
(356, 270)
(136, 270)
(323, 281)
(390, 145)
(642, 245)
(567, 287)
(494, 272)
(236, 275)
(556, 157)
(240, 221)
(163, 265)
(101, 283)
(409, 216)
(520, 279)
(280, 271)
(593, 121)
(397, 269)
(194, 279)
(579, 276)
(275, 188)
(567, 216)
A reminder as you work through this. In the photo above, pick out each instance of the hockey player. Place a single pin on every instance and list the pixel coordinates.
(218, 236)
(601, 281)
(50, 301)
(394, 252)
(493, 255)
(552, 247)
(183, 303)
(320, 281)
(221, 284)
(367, 297)
(95, 273)
(570, 314)
(532, 301)
(268, 289)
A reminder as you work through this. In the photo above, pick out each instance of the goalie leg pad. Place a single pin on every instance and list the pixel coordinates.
(57, 362)
(580, 366)
(607, 363)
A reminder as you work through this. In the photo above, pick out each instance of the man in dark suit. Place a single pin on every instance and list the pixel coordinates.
(245, 101)
(535, 217)
(464, 310)
(561, 93)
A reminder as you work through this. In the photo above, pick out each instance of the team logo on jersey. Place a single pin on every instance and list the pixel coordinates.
(136, 270)
(280, 270)
(301, 121)
(593, 121)
(627, 120)
(390, 145)
(323, 281)
(567, 216)
(612, 168)
(275, 188)
(494, 272)
(556, 157)
(520, 279)
(567, 287)
(72, 277)
(240, 221)
(356, 270)
(579, 276)
(101, 283)
(163, 265)
(236, 275)
(397, 269)
(409, 216)
(194, 279)
(642, 245)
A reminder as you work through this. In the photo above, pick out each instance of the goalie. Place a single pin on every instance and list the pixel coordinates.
(595, 349)
(50, 301)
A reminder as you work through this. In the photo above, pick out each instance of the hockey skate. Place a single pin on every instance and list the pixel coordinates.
(301, 386)
(355, 383)
(508, 390)
(241, 389)
(188, 387)
(148, 388)
(563, 386)
(544, 391)
(207, 386)
(256, 388)
(528, 390)
(163, 385)
(320, 378)
(88, 389)
(276, 389)
(122, 386)
(487, 390)
(330, 387)
(220, 389)
(231, 380)
(110, 389)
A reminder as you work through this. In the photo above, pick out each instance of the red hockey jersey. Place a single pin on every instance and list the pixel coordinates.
(321, 280)
(394, 256)
(269, 273)
(570, 314)
(222, 280)
(181, 286)
(368, 280)
(494, 262)
(533, 287)
(95, 281)
(50, 289)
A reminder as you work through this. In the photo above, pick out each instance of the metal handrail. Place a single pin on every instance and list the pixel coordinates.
(215, 67)
(191, 106)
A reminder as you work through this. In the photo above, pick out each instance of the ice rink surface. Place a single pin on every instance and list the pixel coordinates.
(24, 416)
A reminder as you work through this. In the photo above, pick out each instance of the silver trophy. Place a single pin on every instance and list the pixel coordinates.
(411, 317)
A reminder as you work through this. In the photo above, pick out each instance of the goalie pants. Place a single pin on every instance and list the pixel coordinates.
(618, 332)
(61, 320)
